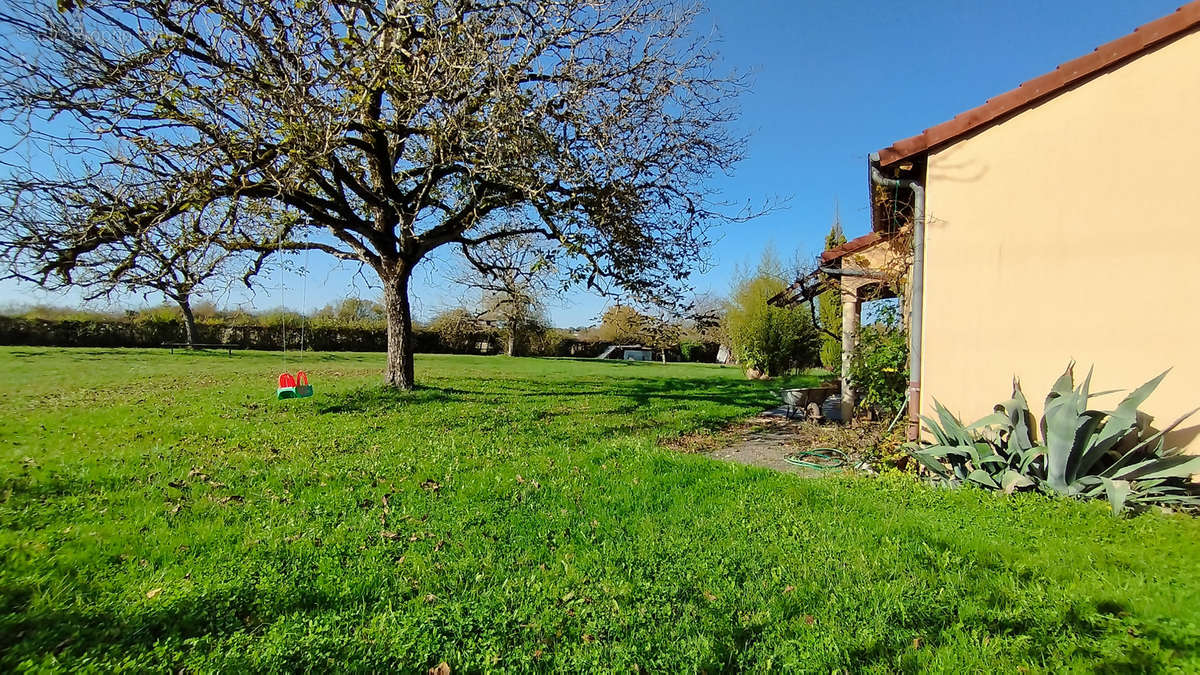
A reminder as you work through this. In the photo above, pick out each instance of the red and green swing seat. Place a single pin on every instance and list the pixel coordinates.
(293, 387)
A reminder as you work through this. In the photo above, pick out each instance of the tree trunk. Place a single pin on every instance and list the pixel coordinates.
(511, 348)
(399, 372)
(189, 321)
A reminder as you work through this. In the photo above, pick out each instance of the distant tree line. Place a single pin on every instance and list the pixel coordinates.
(352, 324)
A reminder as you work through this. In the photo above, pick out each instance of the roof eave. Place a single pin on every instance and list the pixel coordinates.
(1104, 58)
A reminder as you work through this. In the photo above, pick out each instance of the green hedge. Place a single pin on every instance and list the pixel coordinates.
(320, 335)
(71, 333)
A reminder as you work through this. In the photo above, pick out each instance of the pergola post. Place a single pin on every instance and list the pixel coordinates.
(851, 313)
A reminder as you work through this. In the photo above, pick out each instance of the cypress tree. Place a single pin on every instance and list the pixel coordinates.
(829, 307)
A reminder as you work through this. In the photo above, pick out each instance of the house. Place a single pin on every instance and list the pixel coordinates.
(1058, 221)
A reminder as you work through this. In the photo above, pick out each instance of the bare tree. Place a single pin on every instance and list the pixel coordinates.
(513, 277)
(379, 132)
(181, 265)
(657, 327)
(179, 258)
(660, 330)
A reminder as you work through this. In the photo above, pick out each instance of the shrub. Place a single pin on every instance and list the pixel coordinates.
(1083, 453)
(772, 340)
(621, 325)
(159, 315)
(457, 329)
(829, 308)
(352, 312)
(549, 342)
(688, 348)
(879, 364)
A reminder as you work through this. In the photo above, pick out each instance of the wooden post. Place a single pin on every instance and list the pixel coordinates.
(851, 312)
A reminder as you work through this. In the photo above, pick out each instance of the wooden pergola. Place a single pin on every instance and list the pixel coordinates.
(871, 267)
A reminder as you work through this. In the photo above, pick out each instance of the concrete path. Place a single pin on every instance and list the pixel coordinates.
(766, 440)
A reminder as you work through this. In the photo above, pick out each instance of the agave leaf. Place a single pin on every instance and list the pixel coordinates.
(935, 429)
(1144, 445)
(1133, 466)
(950, 424)
(1159, 498)
(1083, 390)
(1180, 466)
(1128, 406)
(1143, 421)
(1108, 438)
(1086, 486)
(1029, 456)
(981, 477)
(1173, 499)
(1162, 489)
(995, 419)
(931, 463)
(937, 451)
(1019, 438)
(1012, 480)
(1065, 384)
(1019, 419)
(1084, 441)
(1117, 492)
(1120, 421)
(1062, 422)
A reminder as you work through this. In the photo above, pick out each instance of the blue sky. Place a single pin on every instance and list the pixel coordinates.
(832, 82)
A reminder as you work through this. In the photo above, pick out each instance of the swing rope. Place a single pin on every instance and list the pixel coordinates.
(282, 304)
(298, 386)
(304, 302)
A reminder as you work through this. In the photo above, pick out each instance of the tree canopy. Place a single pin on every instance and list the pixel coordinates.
(768, 339)
(829, 307)
(375, 132)
(513, 278)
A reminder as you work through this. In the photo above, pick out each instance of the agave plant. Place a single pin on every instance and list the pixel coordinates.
(1082, 453)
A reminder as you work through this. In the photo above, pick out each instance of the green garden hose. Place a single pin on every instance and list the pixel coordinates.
(835, 459)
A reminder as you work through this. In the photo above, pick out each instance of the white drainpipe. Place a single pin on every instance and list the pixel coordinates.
(918, 288)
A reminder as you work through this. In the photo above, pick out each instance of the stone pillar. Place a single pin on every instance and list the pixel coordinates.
(851, 311)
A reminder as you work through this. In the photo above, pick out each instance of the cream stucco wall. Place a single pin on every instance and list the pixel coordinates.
(1072, 231)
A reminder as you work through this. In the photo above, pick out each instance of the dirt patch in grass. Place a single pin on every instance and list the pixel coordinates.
(767, 440)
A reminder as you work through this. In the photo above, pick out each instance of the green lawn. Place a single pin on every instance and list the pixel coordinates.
(164, 512)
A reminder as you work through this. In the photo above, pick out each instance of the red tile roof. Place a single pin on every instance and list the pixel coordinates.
(1107, 56)
(853, 246)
